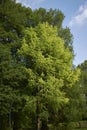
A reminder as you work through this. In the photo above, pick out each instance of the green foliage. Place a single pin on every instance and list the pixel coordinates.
(53, 17)
(36, 73)
(13, 80)
(12, 21)
(83, 85)
(65, 34)
(49, 64)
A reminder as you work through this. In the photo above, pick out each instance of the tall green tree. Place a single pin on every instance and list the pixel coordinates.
(35, 66)
(49, 65)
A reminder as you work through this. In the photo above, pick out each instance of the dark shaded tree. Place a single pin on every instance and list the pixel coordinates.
(83, 85)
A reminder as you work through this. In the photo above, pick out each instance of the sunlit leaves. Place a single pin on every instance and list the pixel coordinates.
(49, 65)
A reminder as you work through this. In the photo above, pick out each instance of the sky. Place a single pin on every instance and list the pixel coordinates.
(75, 12)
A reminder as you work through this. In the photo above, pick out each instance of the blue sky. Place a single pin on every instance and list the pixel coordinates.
(75, 12)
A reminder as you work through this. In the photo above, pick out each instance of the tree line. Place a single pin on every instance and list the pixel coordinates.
(39, 85)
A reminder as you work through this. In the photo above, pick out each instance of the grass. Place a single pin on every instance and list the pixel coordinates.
(81, 129)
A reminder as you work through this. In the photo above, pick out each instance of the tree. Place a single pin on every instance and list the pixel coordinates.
(73, 111)
(66, 35)
(55, 18)
(13, 80)
(83, 85)
(14, 18)
(12, 21)
(35, 66)
(49, 65)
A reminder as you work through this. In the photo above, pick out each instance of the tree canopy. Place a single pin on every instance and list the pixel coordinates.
(37, 77)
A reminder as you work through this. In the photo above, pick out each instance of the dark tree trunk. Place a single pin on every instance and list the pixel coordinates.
(4, 123)
(44, 125)
(16, 124)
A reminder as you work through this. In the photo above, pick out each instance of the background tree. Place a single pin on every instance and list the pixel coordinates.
(83, 85)
(13, 80)
(55, 18)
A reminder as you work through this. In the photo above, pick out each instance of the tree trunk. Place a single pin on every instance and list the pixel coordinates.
(16, 124)
(44, 125)
(38, 122)
(4, 123)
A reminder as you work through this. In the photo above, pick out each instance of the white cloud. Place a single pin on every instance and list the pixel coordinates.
(81, 17)
(30, 3)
